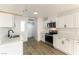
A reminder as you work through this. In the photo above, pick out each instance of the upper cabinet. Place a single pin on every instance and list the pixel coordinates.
(69, 21)
(6, 20)
(66, 21)
(60, 22)
(77, 20)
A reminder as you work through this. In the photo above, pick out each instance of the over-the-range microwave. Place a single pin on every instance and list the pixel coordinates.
(51, 25)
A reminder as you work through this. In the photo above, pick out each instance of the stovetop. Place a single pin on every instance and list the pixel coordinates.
(50, 33)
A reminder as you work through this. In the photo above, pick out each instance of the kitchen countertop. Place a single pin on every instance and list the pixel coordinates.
(68, 36)
(12, 40)
(49, 34)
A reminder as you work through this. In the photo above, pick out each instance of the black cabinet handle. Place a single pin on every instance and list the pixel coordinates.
(67, 40)
(65, 25)
(62, 42)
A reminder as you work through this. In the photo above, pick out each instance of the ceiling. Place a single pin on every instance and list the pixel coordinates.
(44, 10)
(12, 8)
(48, 10)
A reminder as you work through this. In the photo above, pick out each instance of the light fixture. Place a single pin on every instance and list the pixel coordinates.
(35, 13)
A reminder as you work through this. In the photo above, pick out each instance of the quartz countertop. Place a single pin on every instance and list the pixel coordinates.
(12, 40)
(68, 36)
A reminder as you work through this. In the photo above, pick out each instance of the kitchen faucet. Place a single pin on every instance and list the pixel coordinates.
(9, 35)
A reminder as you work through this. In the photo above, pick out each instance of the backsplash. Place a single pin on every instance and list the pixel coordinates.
(69, 33)
(3, 33)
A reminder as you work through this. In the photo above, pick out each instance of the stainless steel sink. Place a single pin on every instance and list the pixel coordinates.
(14, 36)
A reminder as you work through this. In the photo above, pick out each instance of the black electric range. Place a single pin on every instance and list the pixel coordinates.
(49, 38)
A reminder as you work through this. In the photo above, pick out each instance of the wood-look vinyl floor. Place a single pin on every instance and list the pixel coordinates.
(39, 48)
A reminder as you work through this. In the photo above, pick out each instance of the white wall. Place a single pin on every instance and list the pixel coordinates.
(40, 28)
(17, 27)
(35, 30)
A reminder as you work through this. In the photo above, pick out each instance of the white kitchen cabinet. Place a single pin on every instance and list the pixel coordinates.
(57, 43)
(66, 21)
(63, 44)
(53, 19)
(11, 48)
(6, 20)
(69, 21)
(68, 46)
(60, 22)
(76, 47)
(77, 20)
(43, 37)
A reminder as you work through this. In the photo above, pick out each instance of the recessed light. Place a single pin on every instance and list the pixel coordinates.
(35, 13)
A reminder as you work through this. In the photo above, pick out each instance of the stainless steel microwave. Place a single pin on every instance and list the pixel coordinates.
(51, 25)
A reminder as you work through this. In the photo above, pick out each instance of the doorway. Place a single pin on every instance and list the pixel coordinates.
(31, 30)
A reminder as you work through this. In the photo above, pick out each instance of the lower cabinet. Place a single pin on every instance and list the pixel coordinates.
(43, 37)
(68, 46)
(57, 43)
(12, 48)
(63, 44)
(76, 47)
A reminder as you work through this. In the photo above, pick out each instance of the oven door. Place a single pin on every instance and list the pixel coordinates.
(49, 39)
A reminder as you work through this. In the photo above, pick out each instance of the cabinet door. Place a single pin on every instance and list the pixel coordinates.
(57, 43)
(68, 46)
(69, 21)
(60, 22)
(55, 39)
(76, 47)
(77, 20)
(43, 37)
(6, 20)
(14, 48)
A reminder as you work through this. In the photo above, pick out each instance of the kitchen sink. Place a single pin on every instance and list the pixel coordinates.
(15, 36)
